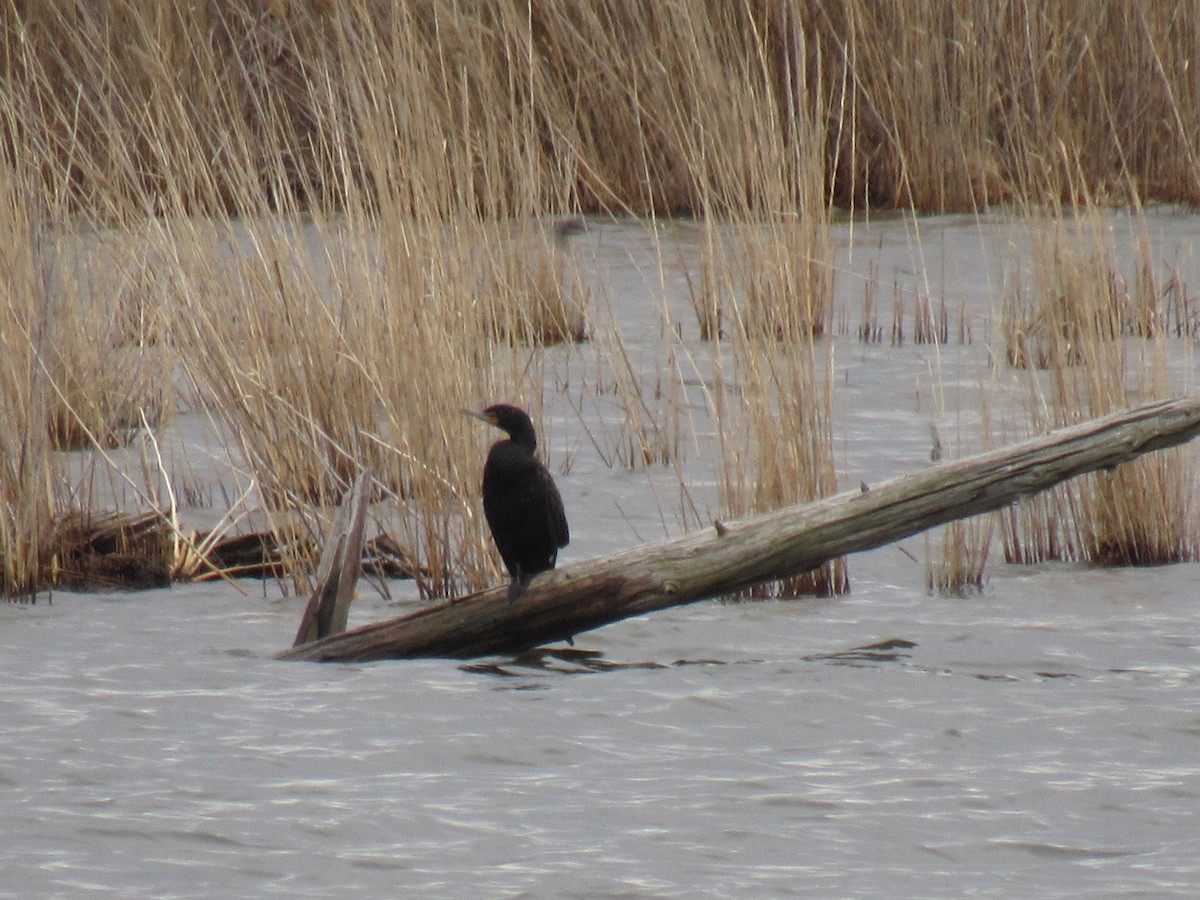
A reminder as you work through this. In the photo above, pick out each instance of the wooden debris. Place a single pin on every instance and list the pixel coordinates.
(102, 551)
(588, 594)
(383, 556)
(106, 551)
(256, 554)
(329, 605)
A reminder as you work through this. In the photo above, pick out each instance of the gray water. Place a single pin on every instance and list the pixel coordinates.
(1041, 738)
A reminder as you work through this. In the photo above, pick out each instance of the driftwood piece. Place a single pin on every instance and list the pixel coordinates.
(338, 570)
(734, 555)
(112, 550)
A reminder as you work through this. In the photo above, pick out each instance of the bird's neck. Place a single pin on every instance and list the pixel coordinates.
(526, 442)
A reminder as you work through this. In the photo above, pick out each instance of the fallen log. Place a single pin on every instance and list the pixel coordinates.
(734, 555)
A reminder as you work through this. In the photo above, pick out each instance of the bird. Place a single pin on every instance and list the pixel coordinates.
(520, 500)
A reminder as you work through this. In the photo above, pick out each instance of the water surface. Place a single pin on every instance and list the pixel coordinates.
(1041, 738)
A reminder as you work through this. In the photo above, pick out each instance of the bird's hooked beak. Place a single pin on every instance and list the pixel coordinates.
(481, 416)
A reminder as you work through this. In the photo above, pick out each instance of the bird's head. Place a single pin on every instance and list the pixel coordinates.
(512, 420)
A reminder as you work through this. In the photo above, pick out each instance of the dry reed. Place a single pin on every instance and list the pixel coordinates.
(1144, 512)
(956, 555)
(603, 106)
(531, 291)
(30, 471)
(958, 565)
(107, 388)
(359, 357)
(649, 430)
(370, 149)
(776, 444)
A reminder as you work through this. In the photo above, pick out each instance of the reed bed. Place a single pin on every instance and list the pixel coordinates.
(956, 557)
(776, 444)
(309, 214)
(531, 290)
(772, 400)
(957, 554)
(30, 471)
(1103, 347)
(106, 389)
(775, 280)
(931, 322)
(361, 358)
(649, 429)
(603, 106)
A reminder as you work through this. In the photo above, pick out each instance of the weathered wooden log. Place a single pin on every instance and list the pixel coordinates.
(735, 555)
(338, 569)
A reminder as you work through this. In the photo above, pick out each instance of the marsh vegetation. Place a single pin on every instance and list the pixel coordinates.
(317, 231)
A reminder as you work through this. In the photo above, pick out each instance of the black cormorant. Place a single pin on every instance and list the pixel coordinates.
(521, 503)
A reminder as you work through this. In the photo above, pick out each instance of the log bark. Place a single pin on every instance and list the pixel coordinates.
(734, 555)
(338, 570)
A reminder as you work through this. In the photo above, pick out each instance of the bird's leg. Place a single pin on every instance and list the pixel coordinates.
(520, 579)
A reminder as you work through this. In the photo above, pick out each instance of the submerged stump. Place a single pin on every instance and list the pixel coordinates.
(338, 569)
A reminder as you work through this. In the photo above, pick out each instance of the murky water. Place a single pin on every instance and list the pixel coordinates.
(1039, 739)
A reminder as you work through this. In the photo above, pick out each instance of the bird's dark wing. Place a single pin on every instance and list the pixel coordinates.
(556, 515)
(523, 509)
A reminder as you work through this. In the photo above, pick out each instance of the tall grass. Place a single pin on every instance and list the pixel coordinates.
(956, 105)
(776, 444)
(956, 554)
(530, 290)
(80, 368)
(600, 106)
(956, 557)
(766, 277)
(118, 380)
(29, 475)
(353, 353)
(1103, 347)
(377, 161)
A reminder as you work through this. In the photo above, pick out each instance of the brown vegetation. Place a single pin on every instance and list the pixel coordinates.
(1103, 347)
(27, 500)
(603, 106)
(776, 442)
(163, 166)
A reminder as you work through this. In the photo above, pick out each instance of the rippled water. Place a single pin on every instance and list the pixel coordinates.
(1039, 739)
(1043, 739)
